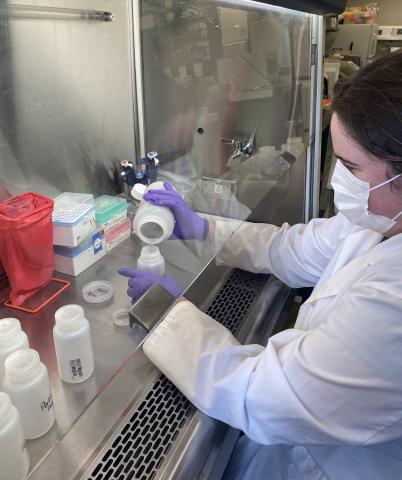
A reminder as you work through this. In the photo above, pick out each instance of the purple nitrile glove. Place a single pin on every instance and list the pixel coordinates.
(188, 224)
(140, 282)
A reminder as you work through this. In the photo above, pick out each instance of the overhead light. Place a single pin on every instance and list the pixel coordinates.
(54, 13)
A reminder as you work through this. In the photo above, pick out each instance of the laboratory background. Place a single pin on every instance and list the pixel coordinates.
(101, 101)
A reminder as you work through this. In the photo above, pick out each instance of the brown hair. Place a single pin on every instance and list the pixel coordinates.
(369, 106)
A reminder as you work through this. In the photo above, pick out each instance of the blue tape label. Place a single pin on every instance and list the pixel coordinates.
(97, 242)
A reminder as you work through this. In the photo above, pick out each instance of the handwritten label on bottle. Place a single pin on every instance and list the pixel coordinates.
(76, 368)
(47, 404)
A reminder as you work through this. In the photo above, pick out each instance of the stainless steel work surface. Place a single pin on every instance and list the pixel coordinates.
(112, 345)
(141, 426)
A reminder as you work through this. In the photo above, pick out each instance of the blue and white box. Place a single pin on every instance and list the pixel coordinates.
(73, 261)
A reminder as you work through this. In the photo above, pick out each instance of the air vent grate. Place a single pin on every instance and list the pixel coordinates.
(235, 298)
(139, 447)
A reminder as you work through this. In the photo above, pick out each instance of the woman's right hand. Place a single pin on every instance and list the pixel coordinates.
(188, 225)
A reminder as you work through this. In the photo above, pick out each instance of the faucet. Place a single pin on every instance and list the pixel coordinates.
(241, 148)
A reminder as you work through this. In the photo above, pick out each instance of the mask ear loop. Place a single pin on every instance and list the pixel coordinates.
(386, 181)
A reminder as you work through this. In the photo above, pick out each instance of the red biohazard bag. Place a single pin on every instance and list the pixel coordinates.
(26, 244)
(3, 278)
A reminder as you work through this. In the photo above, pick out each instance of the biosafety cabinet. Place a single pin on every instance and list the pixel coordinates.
(228, 93)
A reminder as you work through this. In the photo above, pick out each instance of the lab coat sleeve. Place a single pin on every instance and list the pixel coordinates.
(339, 383)
(297, 255)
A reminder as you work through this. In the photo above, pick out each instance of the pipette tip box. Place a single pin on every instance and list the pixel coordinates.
(110, 211)
(73, 218)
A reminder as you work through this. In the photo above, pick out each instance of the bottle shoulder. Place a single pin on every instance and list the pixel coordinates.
(12, 423)
(20, 342)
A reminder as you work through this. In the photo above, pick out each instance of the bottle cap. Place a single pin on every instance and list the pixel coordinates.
(138, 191)
(121, 318)
(98, 291)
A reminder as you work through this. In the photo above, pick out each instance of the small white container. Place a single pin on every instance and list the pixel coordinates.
(121, 317)
(153, 224)
(72, 340)
(98, 291)
(266, 155)
(294, 145)
(12, 338)
(151, 260)
(14, 459)
(27, 383)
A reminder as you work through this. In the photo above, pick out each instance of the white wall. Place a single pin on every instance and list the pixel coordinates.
(66, 109)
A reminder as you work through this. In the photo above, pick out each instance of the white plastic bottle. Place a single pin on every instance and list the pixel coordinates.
(294, 145)
(151, 260)
(12, 338)
(72, 340)
(14, 459)
(153, 224)
(266, 156)
(27, 382)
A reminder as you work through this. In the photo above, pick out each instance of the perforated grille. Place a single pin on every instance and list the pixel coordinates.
(233, 301)
(137, 451)
(139, 447)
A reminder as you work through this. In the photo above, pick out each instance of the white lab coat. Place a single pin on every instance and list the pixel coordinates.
(323, 400)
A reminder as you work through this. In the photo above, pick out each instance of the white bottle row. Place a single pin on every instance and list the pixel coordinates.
(26, 407)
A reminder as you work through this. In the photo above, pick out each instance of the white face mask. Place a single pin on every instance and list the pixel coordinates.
(351, 199)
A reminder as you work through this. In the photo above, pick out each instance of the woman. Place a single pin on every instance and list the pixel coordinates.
(322, 400)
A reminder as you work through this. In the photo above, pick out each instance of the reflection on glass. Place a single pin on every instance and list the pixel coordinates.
(227, 90)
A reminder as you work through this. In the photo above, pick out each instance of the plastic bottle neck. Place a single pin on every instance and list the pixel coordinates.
(23, 366)
(70, 318)
(150, 254)
(6, 409)
(10, 330)
(154, 229)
